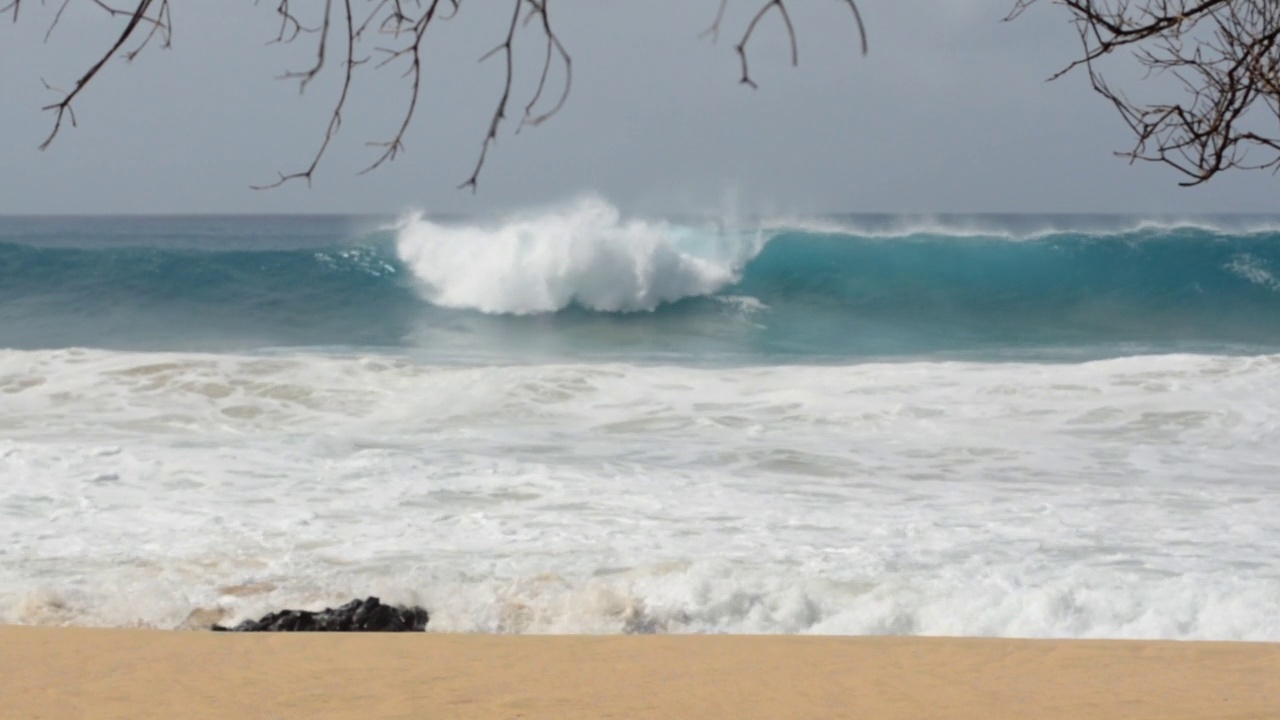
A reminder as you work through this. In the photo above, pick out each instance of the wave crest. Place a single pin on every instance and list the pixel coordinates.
(585, 254)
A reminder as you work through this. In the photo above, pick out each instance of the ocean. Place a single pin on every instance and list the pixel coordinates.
(571, 420)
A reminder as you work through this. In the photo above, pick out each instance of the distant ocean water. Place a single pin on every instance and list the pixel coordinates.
(574, 421)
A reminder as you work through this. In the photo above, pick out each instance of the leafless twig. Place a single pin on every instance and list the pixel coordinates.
(335, 119)
(413, 50)
(395, 31)
(403, 28)
(501, 111)
(1222, 55)
(57, 17)
(554, 49)
(781, 7)
(714, 29)
(62, 109)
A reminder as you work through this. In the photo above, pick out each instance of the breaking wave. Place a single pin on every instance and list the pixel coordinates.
(582, 279)
(584, 254)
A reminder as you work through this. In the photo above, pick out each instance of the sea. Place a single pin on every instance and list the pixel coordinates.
(576, 420)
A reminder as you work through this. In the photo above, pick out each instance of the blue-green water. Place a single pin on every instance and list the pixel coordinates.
(574, 421)
(846, 288)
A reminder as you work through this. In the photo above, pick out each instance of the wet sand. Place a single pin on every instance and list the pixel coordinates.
(55, 673)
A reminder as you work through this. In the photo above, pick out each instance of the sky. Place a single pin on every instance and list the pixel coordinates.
(949, 113)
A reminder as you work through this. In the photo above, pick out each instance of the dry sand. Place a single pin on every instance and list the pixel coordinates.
(84, 673)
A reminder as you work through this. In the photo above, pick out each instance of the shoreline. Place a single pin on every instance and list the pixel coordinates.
(58, 672)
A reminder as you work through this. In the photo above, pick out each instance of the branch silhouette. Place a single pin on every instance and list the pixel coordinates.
(1223, 57)
(390, 33)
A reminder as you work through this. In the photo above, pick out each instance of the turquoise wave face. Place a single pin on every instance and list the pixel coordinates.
(1145, 290)
(605, 288)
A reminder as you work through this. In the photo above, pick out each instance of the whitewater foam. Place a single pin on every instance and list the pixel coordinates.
(1122, 498)
(1012, 227)
(583, 254)
(698, 291)
(1254, 270)
(730, 462)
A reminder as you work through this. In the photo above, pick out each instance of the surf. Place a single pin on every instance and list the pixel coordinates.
(1122, 498)
(584, 254)
(583, 280)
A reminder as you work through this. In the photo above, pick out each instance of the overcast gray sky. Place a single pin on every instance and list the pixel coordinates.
(949, 113)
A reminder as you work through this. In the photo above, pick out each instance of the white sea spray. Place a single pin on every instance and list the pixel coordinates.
(584, 254)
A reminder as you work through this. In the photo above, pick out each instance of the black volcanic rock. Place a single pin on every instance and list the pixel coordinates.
(368, 615)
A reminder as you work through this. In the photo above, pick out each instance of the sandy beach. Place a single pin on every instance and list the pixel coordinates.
(54, 673)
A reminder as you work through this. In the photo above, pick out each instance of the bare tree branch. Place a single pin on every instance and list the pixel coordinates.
(290, 26)
(862, 27)
(393, 147)
(306, 76)
(396, 32)
(741, 47)
(500, 112)
(335, 119)
(1223, 55)
(554, 49)
(62, 108)
(781, 7)
(162, 23)
(714, 29)
(57, 17)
